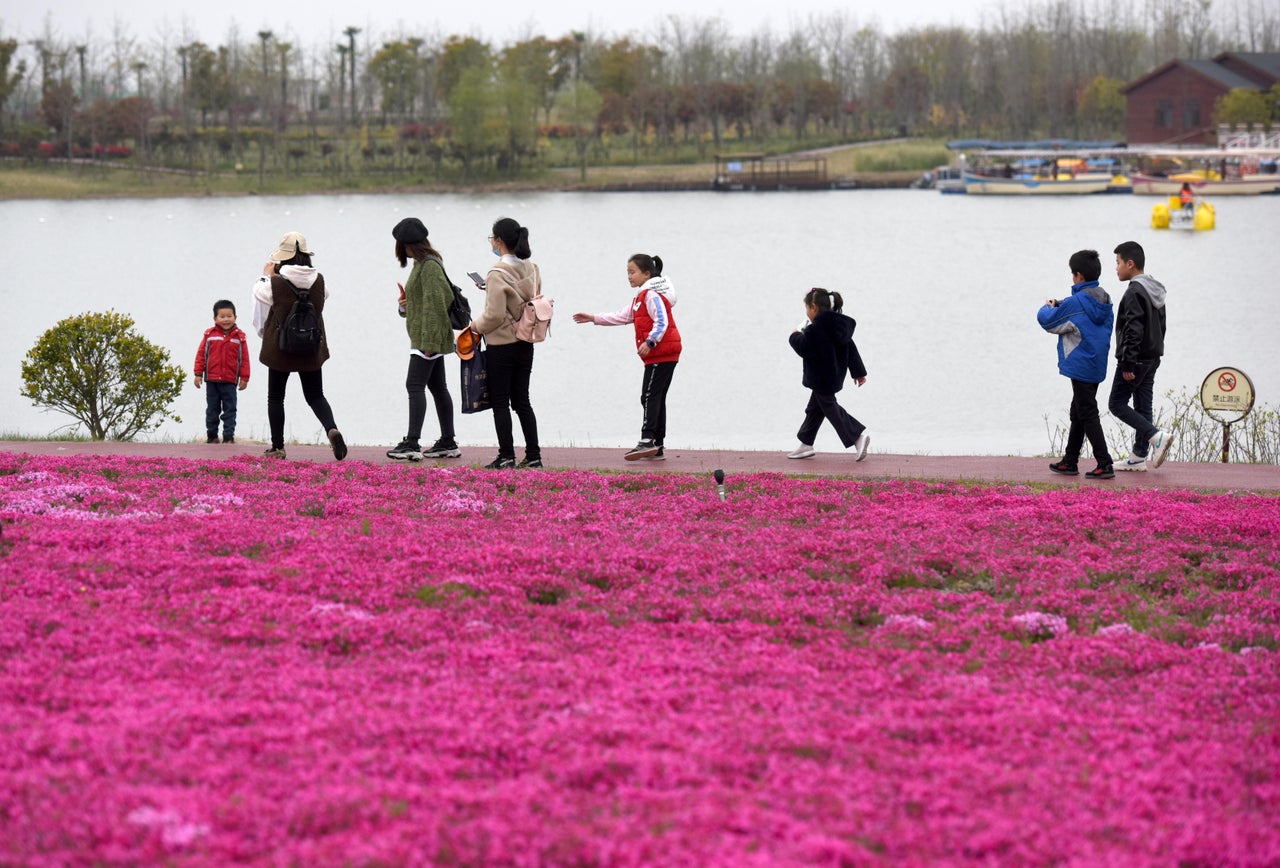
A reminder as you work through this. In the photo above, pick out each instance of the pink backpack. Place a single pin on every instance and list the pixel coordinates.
(535, 319)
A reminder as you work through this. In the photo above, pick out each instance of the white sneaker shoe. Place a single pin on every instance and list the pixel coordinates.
(1133, 462)
(861, 445)
(1160, 443)
(804, 450)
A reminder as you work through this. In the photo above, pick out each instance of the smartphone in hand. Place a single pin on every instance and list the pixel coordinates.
(476, 279)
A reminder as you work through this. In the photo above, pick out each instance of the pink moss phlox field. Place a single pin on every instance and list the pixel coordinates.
(251, 661)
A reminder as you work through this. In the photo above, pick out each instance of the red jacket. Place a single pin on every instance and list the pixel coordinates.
(223, 357)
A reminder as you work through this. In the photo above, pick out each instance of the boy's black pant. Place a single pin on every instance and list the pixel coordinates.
(1085, 423)
(312, 390)
(220, 400)
(822, 407)
(428, 374)
(653, 398)
(1138, 417)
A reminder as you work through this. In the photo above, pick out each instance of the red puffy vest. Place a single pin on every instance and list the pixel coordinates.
(668, 349)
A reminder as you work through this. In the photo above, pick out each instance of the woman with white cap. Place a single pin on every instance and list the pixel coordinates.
(287, 273)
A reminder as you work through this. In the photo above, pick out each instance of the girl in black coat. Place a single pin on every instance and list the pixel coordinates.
(828, 350)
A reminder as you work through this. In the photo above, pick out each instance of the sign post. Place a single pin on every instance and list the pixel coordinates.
(1226, 392)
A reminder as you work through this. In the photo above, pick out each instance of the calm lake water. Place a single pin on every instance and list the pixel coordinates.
(944, 288)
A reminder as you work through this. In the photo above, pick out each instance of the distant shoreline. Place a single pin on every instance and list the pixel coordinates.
(22, 180)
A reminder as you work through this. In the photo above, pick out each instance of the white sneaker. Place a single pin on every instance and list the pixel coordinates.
(804, 450)
(861, 445)
(1160, 443)
(1133, 462)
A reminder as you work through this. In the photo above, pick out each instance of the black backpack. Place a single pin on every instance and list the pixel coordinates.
(300, 334)
(459, 308)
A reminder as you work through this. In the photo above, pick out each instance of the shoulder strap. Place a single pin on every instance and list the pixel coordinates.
(440, 263)
(515, 282)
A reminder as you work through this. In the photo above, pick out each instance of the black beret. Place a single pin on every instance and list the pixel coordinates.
(409, 231)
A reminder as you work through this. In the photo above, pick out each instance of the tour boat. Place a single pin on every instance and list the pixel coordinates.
(1065, 184)
(1205, 186)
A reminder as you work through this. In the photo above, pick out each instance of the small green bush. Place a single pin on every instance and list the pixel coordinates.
(95, 368)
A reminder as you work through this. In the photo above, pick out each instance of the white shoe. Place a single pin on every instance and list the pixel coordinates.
(861, 445)
(1160, 443)
(804, 450)
(1133, 462)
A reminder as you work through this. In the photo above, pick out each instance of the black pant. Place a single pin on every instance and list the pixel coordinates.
(653, 398)
(1085, 423)
(312, 390)
(428, 374)
(509, 367)
(822, 407)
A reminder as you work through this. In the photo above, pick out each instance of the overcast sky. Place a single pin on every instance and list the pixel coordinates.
(498, 21)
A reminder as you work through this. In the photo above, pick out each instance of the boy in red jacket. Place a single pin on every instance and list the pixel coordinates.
(223, 362)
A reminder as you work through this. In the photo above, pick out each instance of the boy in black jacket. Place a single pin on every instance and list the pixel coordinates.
(1140, 325)
(828, 350)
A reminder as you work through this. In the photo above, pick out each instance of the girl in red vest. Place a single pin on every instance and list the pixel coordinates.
(657, 344)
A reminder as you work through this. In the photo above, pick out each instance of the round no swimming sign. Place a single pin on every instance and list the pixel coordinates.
(1227, 390)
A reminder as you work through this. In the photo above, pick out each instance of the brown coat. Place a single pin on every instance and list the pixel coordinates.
(282, 299)
(507, 288)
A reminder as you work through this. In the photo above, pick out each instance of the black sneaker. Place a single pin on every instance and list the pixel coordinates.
(228, 440)
(274, 452)
(530, 464)
(501, 463)
(445, 447)
(643, 449)
(212, 438)
(1064, 468)
(1101, 472)
(407, 450)
(660, 456)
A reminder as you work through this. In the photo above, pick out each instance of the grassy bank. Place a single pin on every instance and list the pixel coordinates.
(893, 164)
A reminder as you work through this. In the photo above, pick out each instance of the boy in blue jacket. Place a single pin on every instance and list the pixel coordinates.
(1082, 322)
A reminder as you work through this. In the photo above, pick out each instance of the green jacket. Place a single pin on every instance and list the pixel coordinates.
(427, 296)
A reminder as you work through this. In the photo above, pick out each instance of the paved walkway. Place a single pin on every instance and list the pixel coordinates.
(965, 468)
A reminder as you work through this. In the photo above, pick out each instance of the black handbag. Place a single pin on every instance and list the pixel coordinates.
(475, 382)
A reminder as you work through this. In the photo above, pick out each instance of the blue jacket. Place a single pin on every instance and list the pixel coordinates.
(1082, 322)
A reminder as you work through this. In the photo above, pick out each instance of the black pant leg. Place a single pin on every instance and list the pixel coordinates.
(653, 400)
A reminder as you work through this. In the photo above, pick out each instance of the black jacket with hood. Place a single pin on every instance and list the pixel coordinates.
(829, 352)
(1140, 323)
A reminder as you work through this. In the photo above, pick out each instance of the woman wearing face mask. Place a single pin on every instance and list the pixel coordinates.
(512, 282)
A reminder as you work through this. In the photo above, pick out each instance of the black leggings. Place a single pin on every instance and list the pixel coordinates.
(509, 368)
(428, 374)
(312, 390)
